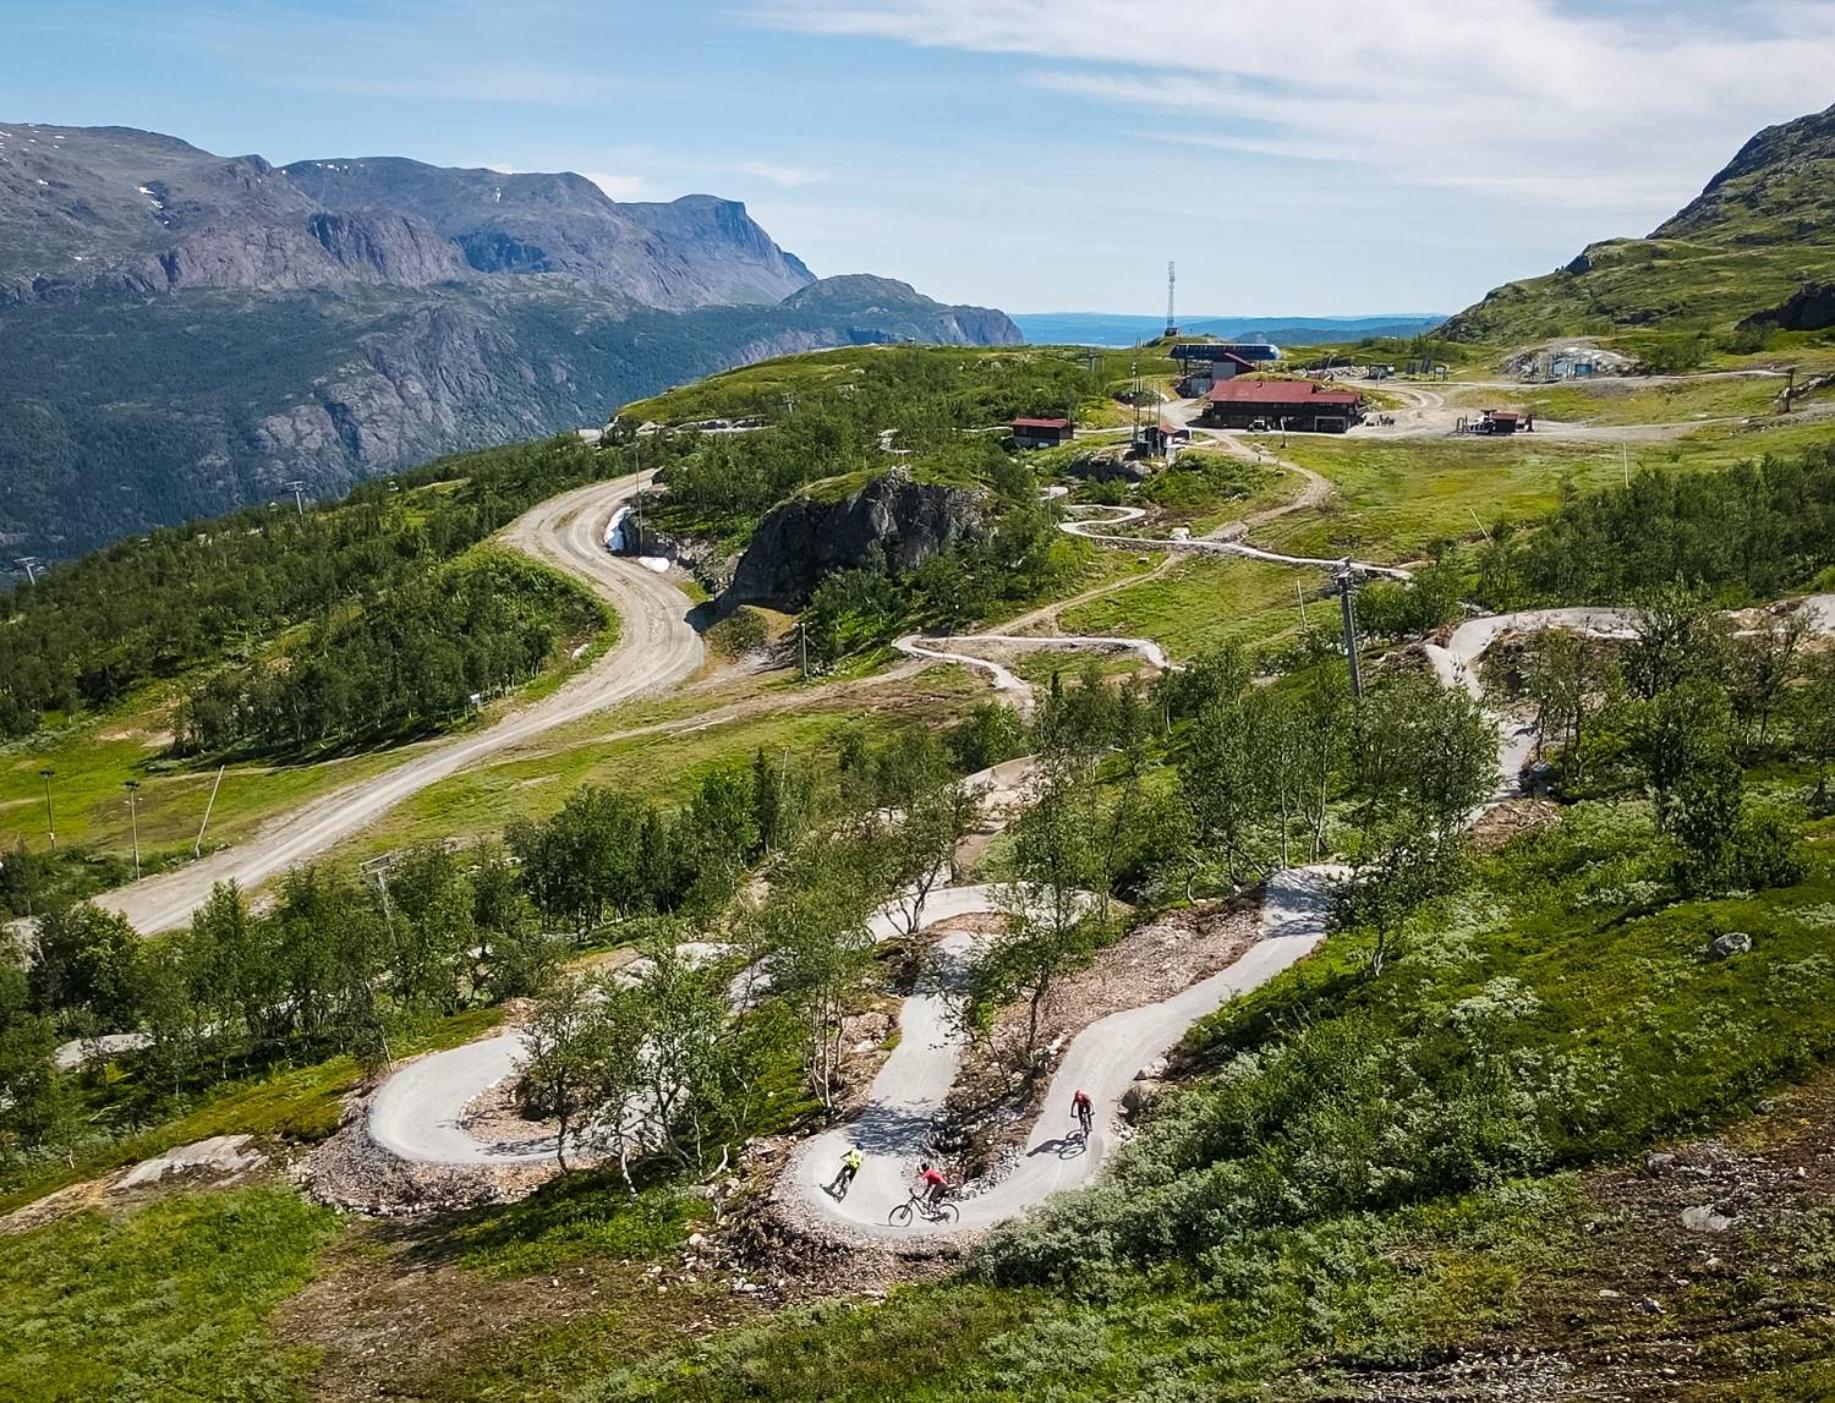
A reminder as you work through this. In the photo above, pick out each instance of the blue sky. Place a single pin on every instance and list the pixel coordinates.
(1335, 156)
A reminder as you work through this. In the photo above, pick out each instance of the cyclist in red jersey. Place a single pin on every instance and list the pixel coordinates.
(935, 1184)
(1083, 1109)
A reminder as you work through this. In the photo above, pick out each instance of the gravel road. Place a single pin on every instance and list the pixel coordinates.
(655, 648)
(417, 1113)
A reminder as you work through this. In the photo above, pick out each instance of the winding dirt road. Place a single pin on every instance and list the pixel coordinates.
(1009, 683)
(656, 648)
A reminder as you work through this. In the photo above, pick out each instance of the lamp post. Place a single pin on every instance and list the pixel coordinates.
(46, 775)
(133, 812)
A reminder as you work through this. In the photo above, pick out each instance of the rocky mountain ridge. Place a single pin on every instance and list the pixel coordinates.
(1743, 251)
(84, 208)
(182, 333)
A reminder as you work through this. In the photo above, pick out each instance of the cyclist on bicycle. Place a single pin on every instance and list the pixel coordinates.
(1083, 1109)
(935, 1185)
(850, 1166)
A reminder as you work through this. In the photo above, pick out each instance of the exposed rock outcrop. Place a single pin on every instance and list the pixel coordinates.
(1810, 308)
(904, 522)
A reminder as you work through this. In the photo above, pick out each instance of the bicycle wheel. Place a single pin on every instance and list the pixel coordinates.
(946, 1213)
(901, 1216)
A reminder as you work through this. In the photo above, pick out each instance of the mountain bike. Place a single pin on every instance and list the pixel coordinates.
(941, 1212)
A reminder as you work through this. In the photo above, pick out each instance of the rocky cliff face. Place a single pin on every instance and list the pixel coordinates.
(892, 517)
(108, 207)
(1810, 308)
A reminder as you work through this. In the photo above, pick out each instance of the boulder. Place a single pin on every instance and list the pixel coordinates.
(1139, 1096)
(216, 1157)
(1733, 942)
(1704, 1219)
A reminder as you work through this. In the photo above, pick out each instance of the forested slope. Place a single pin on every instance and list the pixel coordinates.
(179, 598)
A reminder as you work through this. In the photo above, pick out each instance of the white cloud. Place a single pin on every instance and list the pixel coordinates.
(789, 177)
(619, 187)
(1622, 108)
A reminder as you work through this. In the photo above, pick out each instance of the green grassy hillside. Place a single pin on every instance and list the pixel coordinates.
(371, 620)
(1762, 228)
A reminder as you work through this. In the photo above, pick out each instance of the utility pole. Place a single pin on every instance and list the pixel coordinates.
(376, 870)
(31, 564)
(46, 775)
(1135, 395)
(197, 848)
(1347, 585)
(133, 812)
(299, 496)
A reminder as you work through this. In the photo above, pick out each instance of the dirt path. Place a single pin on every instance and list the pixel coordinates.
(656, 648)
(908, 1094)
(1047, 615)
(1096, 530)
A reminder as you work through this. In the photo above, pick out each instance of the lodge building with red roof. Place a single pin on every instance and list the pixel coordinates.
(1042, 433)
(1303, 406)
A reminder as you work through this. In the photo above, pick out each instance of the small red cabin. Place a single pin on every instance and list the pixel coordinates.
(1042, 433)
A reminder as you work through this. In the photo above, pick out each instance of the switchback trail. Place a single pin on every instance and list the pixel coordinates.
(419, 1114)
(656, 648)
(895, 1130)
(907, 1096)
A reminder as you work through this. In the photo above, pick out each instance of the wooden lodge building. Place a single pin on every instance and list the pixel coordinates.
(1303, 406)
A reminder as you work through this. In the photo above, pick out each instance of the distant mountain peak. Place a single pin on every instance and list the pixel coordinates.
(181, 333)
(117, 208)
(854, 287)
(1779, 187)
